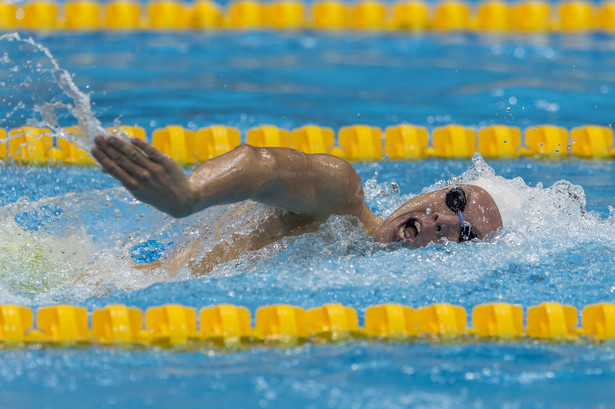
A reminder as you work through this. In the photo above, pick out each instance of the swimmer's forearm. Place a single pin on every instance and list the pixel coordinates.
(316, 185)
(229, 178)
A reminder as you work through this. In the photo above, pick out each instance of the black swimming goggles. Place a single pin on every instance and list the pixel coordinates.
(456, 201)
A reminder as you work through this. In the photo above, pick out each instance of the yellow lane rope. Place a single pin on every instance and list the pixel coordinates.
(230, 325)
(491, 16)
(40, 146)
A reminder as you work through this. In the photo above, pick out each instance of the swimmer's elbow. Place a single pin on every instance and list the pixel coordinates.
(260, 166)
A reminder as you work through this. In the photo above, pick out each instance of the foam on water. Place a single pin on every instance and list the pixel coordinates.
(41, 94)
(71, 247)
(78, 245)
(552, 246)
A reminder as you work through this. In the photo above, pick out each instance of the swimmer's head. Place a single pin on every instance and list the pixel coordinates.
(440, 215)
(506, 197)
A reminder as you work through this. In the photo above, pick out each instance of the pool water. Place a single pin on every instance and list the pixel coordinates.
(67, 233)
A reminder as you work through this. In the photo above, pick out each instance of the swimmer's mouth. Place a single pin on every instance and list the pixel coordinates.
(409, 230)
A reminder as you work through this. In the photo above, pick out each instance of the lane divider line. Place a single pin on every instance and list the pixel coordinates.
(39, 146)
(227, 325)
(489, 16)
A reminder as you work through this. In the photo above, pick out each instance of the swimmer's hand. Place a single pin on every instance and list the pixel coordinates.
(150, 175)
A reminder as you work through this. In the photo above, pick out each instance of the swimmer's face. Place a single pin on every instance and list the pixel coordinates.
(427, 218)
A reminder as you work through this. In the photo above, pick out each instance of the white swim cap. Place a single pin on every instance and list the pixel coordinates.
(505, 197)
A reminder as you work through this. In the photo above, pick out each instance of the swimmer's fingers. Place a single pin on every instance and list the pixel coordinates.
(133, 155)
(124, 161)
(153, 153)
(161, 166)
(110, 166)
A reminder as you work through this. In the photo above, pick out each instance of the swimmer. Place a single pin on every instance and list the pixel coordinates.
(305, 189)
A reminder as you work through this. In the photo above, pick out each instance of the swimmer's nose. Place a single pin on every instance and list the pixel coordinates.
(445, 225)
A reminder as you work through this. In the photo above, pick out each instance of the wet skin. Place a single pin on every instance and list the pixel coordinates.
(306, 189)
(426, 218)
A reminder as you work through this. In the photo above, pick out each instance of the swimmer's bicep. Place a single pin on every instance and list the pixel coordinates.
(315, 184)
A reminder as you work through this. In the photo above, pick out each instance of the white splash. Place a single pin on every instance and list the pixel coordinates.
(86, 253)
(80, 108)
(74, 246)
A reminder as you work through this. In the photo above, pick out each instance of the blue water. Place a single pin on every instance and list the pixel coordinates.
(350, 375)
(561, 250)
(246, 80)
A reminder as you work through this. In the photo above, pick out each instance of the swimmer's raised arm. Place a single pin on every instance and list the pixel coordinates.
(316, 185)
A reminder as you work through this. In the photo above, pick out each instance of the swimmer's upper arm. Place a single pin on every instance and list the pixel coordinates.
(317, 185)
